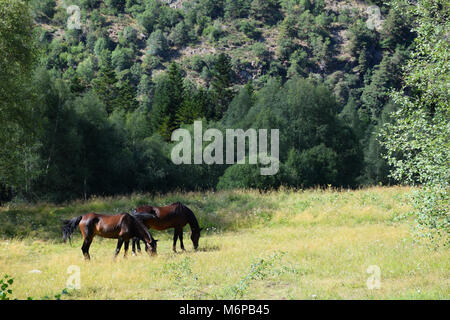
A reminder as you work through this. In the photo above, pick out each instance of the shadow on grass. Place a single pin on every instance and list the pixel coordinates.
(208, 248)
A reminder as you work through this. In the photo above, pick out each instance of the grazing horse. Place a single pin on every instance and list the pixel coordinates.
(176, 215)
(120, 226)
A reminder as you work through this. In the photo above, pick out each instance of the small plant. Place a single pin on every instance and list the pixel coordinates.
(187, 280)
(259, 270)
(181, 270)
(5, 287)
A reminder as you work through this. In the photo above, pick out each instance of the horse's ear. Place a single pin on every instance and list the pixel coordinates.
(155, 240)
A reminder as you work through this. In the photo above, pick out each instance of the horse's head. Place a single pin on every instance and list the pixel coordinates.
(195, 236)
(152, 246)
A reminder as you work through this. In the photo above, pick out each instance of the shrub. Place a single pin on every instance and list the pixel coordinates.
(157, 44)
(249, 28)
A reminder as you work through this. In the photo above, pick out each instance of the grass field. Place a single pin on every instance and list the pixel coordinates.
(314, 244)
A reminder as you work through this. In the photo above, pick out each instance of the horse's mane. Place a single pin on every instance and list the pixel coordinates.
(142, 215)
(141, 227)
(192, 220)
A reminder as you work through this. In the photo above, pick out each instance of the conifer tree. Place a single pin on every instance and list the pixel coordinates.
(220, 86)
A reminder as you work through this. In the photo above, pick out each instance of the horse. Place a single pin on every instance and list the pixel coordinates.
(175, 215)
(121, 226)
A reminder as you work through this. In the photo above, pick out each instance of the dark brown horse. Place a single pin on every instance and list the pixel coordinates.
(176, 216)
(120, 226)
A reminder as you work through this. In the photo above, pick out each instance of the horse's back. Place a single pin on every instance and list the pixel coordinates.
(161, 218)
(104, 225)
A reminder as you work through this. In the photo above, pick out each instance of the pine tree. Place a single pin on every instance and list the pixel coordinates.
(220, 86)
(126, 99)
(169, 96)
(105, 85)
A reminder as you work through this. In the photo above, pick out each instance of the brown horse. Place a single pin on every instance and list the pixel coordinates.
(120, 226)
(176, 216)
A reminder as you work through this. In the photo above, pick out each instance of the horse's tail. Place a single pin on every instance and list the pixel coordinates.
(69, 227)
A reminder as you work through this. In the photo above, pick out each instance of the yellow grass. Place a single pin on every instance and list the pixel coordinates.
(326, 240)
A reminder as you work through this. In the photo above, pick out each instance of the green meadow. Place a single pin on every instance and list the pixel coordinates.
(312, 244)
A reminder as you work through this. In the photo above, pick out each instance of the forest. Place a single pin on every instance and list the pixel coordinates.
(89, 96)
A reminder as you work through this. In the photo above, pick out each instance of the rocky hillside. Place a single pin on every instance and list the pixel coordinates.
(274, 38)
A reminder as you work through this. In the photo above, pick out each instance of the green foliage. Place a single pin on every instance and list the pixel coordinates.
(265, 10)
(361, 37)
(317, 166)
(17, 131)
(118, 5)
(261, 52)
(417, 142)
(325, 150)
(397, 28)
(128, 37)
(180, 34)
(43, 9)
(122, 58)
(104, 85)
(182, 273)
(121, 63)
(5, 287)
(213, 32)
(239, 106)
(157, 44)
(220, 86)
(386, 76)
(259, 270)
(248, 176)
(249, 28)
(169, 96)
(234, 9)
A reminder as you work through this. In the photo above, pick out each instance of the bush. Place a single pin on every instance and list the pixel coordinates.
(44, 9)
(317, 166)
(157, 44)
(249, 28)
(260, 50)
(128, 37)
(122, 58)
(179, 35)
(214, 32)
(246, 176)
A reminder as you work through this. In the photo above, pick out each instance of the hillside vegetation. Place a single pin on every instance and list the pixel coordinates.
(103, 94)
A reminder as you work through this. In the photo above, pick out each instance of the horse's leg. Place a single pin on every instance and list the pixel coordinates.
(146, 247)
(180, 235)
(135, 241)
(175, 237)
(138, 244)
(88, 235)
(119, 245)
(125, 247)
(85, 248)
